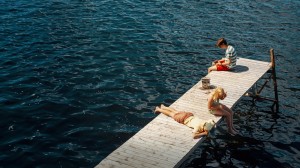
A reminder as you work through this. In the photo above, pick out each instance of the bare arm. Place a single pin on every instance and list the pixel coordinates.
(224, 61)
(227, 61)
(197, 135)
(210, 103)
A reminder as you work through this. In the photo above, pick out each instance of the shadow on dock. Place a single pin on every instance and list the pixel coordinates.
(240, 68)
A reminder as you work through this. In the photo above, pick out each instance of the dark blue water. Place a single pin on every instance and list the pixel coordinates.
(79, 78)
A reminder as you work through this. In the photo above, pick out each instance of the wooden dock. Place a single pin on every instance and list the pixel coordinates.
(165, 143)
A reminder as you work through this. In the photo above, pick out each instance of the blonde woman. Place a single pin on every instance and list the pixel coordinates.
(200, 127)
(218, 109)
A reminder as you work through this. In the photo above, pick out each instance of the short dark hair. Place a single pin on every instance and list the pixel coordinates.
(221, 41)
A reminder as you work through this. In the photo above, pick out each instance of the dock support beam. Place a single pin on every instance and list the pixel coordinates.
(256, 94)
(273, 68)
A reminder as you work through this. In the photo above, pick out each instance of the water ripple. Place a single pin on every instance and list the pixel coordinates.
(80, 78)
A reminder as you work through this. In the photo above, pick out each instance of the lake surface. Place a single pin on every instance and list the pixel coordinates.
(79, 78)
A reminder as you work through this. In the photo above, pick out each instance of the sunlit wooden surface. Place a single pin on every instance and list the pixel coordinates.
(165, 143)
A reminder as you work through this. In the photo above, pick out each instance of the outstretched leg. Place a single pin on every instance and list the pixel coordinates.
(166, 112)
(168, 108)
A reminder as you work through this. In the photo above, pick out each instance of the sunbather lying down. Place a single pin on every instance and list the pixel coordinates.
(200, 127)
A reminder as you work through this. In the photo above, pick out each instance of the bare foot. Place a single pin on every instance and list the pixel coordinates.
(156, 111)
(232, 132)
(235, 130)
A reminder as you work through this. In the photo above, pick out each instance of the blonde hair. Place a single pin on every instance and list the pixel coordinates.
(209, 125)
(219, 92)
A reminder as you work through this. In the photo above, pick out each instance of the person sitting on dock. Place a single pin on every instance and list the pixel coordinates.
(200, 127)
(226, 63)
(219, 109)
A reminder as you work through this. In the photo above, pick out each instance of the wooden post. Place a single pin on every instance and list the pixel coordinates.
(273, 67)
(272, 58)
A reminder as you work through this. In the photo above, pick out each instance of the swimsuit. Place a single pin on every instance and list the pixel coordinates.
(215, 103)
(181, 116)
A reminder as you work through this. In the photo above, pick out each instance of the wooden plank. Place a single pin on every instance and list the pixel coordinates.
(165, 143)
